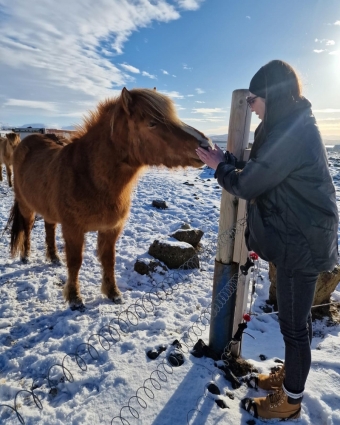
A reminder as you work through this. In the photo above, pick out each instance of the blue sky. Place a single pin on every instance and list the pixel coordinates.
(58, 59)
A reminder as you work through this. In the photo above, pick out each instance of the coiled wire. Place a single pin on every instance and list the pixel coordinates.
(110, 333)
(187, 341)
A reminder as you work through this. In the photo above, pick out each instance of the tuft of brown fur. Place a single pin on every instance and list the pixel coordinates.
(86, 185)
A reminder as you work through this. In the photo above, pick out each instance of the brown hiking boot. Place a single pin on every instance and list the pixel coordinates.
(268, 382)
(275, 407)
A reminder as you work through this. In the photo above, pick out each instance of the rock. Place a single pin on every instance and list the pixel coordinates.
(174, 254)
(159, 204)
(325, 285)
(146, 266)
(185, 226)
(191, 236)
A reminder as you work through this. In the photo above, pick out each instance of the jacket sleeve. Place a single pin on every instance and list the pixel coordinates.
(275, 160)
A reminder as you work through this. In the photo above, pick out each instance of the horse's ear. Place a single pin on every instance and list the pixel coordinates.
(154, 89)
(126, 101)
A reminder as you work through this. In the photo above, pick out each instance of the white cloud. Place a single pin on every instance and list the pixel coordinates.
(199, 101)
(67, 50)
(130, 68)
(199, 91)
(336, 23)
(335, 52)
(190, 4)
(190, 95)
(164, 72)
(173, 94)
(49, 106)
(318, 51)
(208, 111)
(146, 74)
(186, 67)
(330, 42)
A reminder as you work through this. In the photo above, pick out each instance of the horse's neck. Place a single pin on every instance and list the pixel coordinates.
(108, 162)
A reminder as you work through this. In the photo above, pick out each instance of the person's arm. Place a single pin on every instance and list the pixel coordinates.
(275, 160)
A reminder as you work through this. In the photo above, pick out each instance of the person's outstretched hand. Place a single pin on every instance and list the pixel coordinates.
(211, 157)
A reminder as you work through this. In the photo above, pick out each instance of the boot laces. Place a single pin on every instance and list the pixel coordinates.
(276, 398)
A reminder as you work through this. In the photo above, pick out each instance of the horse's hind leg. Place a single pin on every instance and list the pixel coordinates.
(106, 254)
(74, 243)
(51, 248)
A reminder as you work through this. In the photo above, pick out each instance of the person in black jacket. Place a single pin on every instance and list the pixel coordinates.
(292, 220)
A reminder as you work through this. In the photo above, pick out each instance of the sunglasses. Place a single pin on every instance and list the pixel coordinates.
(250, 100)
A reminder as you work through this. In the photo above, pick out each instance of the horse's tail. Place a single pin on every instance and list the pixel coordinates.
(17, 223)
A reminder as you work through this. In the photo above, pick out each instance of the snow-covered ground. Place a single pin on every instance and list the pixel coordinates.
(41, 339)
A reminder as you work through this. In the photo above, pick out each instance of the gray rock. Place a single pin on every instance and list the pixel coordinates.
(159, 204)
(174, 254)
(191, 236)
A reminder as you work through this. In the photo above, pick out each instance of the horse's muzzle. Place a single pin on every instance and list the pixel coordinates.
(206, 144)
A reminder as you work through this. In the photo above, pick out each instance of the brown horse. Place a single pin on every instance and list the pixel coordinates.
(86, 185)
(7, 146)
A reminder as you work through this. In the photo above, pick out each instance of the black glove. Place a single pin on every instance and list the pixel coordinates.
(230, 158)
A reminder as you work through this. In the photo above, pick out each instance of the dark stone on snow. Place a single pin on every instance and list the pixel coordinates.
(191, 236)
(155, 352)
(159, 204)
(176, 359)
(222, 404)
(213, 389)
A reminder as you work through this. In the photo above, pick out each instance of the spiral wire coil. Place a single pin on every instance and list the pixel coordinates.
(109, 334)
(186, 342)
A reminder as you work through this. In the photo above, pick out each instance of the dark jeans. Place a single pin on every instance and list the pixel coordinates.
(295, 294)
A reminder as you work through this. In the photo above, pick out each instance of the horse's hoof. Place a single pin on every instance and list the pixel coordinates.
(24, 260)
(56, 261)
(118, 299)
(77, 305)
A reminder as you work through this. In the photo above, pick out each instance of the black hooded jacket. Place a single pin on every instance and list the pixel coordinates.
(292, 216)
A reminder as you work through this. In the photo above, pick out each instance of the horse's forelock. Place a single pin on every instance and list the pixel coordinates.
(156, 105)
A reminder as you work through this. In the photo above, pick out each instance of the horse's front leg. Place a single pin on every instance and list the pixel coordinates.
(9, 174)
(74, 244)
(106, 253)
(51, 248)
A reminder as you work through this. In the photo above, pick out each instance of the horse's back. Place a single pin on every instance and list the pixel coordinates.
(35, 149)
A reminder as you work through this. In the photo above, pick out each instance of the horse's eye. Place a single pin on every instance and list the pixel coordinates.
(152, 124)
